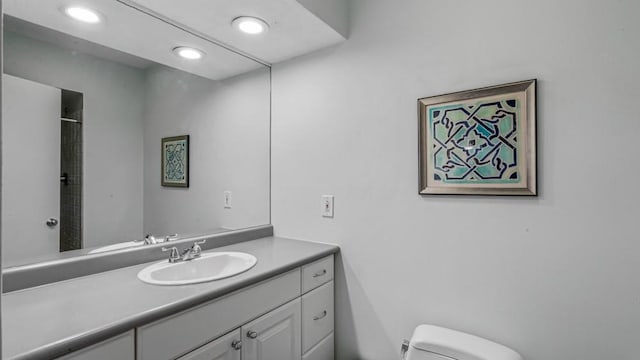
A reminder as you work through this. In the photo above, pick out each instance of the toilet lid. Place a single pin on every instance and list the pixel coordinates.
(459, 345)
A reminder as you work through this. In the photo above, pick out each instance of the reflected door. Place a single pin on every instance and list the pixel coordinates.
(31, 181)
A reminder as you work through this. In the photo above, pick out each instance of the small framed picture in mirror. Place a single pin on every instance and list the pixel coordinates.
(479, 142)
(175, 161)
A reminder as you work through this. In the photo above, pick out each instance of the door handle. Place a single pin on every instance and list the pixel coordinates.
(52, 222)
(64, 178)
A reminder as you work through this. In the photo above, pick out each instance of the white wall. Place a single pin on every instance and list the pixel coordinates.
(112, 132)
(555, 277)
(333, 12)
(228, 124)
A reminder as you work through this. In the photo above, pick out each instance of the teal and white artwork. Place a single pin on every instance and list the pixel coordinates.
(175, 161)
(479, 142)
(476, 141)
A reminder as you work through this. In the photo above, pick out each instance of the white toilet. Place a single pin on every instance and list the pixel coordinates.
(436, 343)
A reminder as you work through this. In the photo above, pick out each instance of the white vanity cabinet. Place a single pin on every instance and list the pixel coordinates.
(299, 329)
(177, 335)
(287, 317)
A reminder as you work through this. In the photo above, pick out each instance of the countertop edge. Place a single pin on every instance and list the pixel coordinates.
(94, 336)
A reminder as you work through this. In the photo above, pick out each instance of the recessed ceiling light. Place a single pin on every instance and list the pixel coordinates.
(188, 52)
(250, 25)
(82, 14)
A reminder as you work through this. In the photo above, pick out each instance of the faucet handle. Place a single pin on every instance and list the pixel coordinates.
(196, 249)
(174, 256)
(170, 237)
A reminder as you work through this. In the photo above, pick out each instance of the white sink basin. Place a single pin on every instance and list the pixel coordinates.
(208, 267)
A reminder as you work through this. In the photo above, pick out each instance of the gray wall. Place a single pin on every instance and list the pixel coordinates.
(228, 124)
(555, 277)
(113, 131)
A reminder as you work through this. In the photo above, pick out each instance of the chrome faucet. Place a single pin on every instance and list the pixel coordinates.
(174, 256)
(193, 252)
(150, 239)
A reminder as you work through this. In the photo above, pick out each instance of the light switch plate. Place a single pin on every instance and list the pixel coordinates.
(227, 199)
(327, 206)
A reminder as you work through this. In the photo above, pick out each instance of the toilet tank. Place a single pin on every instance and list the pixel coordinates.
(437, 343)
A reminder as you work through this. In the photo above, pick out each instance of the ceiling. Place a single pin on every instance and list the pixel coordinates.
(30, 30)
(150, 29)
(296, 26)
(129, 31)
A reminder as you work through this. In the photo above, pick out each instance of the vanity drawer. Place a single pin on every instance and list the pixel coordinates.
(317, 273)
(322, 351)
(176, 335)
(317, 315)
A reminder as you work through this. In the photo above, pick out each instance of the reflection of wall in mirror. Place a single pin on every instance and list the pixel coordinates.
(228, 124)
(127, 111)
(113, 112)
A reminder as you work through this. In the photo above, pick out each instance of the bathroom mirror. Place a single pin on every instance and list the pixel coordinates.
(89, 96)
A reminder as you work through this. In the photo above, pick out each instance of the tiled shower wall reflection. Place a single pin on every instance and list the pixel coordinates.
(71, 172)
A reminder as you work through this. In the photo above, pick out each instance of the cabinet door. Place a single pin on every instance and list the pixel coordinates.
(274, 336)
(226, 347)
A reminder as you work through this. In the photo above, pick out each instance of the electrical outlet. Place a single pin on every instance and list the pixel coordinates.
(327, 206)
(227, 199)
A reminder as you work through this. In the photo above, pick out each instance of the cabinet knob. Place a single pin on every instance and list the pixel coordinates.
(252, 334)
(236, 344)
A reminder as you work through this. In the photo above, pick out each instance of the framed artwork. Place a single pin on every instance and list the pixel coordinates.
(175, 161)
(479, 142)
